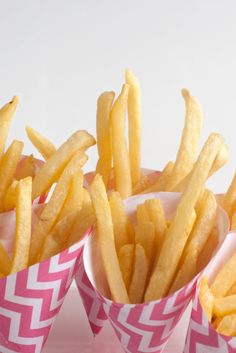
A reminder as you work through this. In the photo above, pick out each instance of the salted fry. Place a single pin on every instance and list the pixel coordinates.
(103, 120)
(122, 175)
(157, 216)
(126, 259)
(206, 298)
(52, 169)
(145, 236)
(5, 263)
(189, 142)
(52, 209)
(144, 183)
(134, 117)
(225, 306)
(6, 115)
(23, 225)
(208, 249)
(230, 197)
(162, 181)
(106, 241)
(42, 144)
(176, 236)
(139, 278)
(27, 168)
(50, 248)
(119, 220)
(9, 201)
(227, 326)
(224, 279)
(142, 214)
(8, 166)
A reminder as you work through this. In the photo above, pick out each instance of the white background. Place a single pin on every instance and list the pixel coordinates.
(58, 56)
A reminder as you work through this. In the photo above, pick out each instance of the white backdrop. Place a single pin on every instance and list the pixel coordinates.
(58, 56)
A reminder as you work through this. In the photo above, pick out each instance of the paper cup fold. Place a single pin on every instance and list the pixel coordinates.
(139, 327)
(201, 336)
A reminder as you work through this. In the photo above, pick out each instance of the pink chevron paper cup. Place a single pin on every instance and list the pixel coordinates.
(201, 336)
(30, 299)
(139, 327)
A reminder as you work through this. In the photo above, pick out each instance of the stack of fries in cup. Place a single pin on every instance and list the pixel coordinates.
(146, 254)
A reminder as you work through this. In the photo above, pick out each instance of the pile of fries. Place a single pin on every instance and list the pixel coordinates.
(145, 258)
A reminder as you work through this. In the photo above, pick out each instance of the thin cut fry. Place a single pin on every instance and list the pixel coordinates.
(5, 263)
(176, 235)
(206, 298)
(224, 279)
(142, 214)
(162, 181)
(119, 220)
(139, 278)
(8, 166)
(134, 116)
(106, 241)
(27, 168)
(103, 120)
(145, 236)
(123, 182)
(23, 225)
(232, 290)
(52, 169)
(52, 209)
(233, 221)
(6, 115)
(144, 183)
(126, 259)
(227, 325)
(43, 145)
(208, 250)
(189, 142)
(225, 306)
(230, 197)
(9, 201)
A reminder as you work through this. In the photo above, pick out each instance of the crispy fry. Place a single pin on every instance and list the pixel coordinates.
(227, 326)
(189, 142)
(138, 281)
(9, 201)
(119, 220)
(52, 209)
(142, 214)
(106, 241)
(206, 298)
(104, 163)
(43, 145)
(230, 197)
(134, 116)
(232, 290)
(27, 168)
(208, 250)
(145, 236)
(5, 263)
(176, 236)
(23, 225)
(52, 169)
(224, 279)
(123, 182)
(225, 306)
(6, 115)
(130, 231)
(8, 166)
(162, 181)
(144, 183)
(126, 259)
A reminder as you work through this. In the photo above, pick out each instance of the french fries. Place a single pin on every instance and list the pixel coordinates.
(138, 281)
(206, 298)
(43, 145)
(126, 261)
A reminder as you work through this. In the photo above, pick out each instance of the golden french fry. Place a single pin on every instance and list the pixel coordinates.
(23, 225)
(224, 279)
(122, 175)
(139, 278)
(144, 183)
(27, 168)
(157, 216)
(145, 236)
(126, 260)
(206, 298)
(106, 241)
(227, 326)
(230, 197)
(8, 166)
(6, 115)
(189, 142)
(103, 120)
(142, 214)
(52, 209)
(162, 181)
(176, 236)
(225, 306)
(232, 290)
(233, 221)
(5, 262)
(134, 117)
(50, 248)
(2, 275)
(119, 220)
(52, 169)
(208, 249)
(130, 231)
(9, 200)
(74, 199)
(43, 145)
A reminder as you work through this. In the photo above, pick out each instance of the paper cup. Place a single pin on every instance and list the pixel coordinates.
(139, 327)
(202, 337)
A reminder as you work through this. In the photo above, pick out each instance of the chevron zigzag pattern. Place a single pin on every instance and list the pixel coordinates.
(31, 299)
